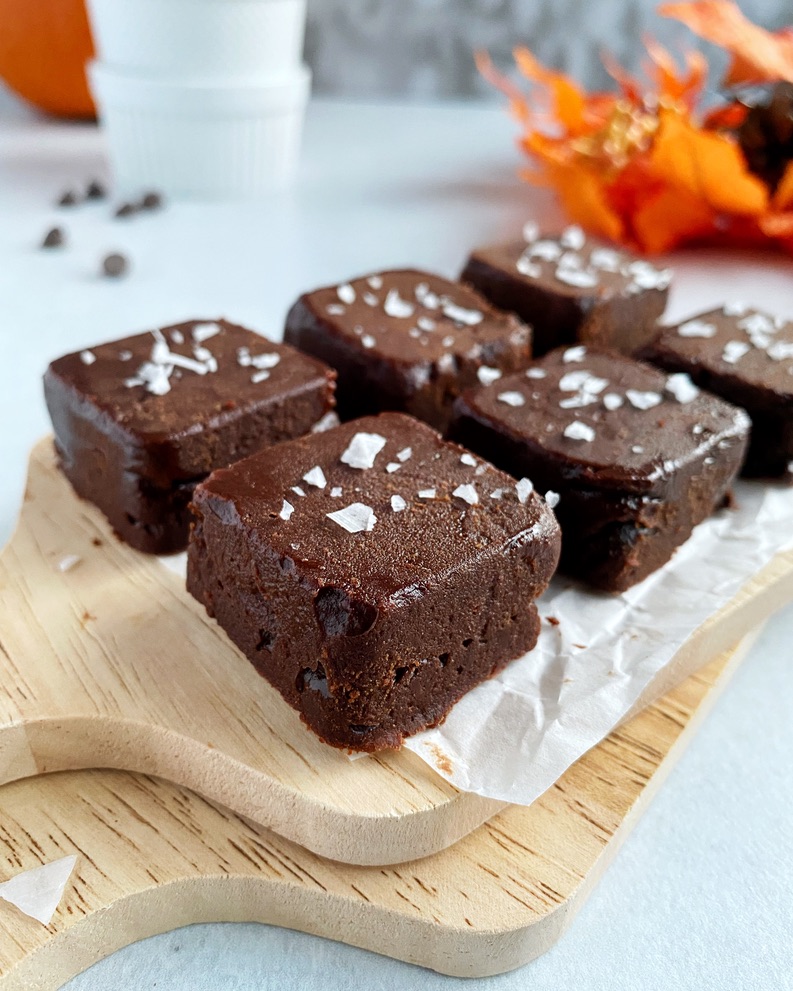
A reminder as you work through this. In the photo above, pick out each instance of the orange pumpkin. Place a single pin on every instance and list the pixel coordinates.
(44, 45)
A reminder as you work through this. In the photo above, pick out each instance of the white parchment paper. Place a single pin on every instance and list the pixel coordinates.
(515, 735)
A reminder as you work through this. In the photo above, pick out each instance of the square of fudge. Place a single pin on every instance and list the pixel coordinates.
(636, 458)
(572, 288)
(373, 573)
(139, 421)
(746, 356)
(406, 340)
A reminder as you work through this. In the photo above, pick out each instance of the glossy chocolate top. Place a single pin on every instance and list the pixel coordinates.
(605, 421)
(414, 317)
(735, 343)
(380, 507)
(572, 264)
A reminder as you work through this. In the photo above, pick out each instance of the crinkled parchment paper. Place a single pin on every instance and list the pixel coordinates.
(515, 735)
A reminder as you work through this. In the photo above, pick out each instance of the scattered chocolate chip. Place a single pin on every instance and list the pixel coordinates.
(53, 238)
(552, 620)
(115, 265)
(151, 201)
(69, 198)
(125, 210)
(95, 190)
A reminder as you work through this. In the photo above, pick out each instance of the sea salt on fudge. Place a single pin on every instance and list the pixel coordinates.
(637, 458)
(572, 288)
(138, 422)
(373, 573)
(406, 340)
(746, 356)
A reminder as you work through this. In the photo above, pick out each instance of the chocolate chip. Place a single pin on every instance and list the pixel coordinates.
(126, 210)
(69, 198)
(95, 190)
(53, 238)
(151, 201)
(115, 265)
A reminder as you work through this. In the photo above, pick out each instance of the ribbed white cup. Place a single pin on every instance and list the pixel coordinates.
(202, 38)
(201, 139)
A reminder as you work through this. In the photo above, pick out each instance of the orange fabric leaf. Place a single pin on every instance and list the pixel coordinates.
(783, 197)
(669, 217)
(669, 81)
(584, 197)
(568, 98)
(707, 165)
(758, 55)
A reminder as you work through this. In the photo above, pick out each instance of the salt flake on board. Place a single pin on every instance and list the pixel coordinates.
(38, 892)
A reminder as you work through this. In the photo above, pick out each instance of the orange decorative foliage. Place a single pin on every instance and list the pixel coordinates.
(758, 55)
(642, 165)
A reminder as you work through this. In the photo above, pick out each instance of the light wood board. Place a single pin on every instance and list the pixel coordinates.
(152, 857)
(112, 664)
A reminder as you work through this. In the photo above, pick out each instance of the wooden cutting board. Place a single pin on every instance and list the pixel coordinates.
(112, 664)
(153, 856)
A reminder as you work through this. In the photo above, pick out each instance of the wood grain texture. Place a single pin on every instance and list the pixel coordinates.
(112, 664)
(153, 856)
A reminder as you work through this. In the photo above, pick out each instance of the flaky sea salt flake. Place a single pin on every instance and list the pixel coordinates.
(577, 353)
(579, 431)
(467, 493)
(38, 892)
(488, 375)
(681, 387)
(696, 328)
(362, 450)
(316, 477)
(87, 357)
(397, 307)
(643, 400)
(286, 510)
(512, 399)
(355, 518)
(346, 293)
(398, 503)
(468, 459)
(524, 488)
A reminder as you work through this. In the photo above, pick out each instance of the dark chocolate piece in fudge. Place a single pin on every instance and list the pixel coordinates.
(638, 458)
(139, 421)
(406, 340)
(373, 573)
(745, 356)
(572, 288)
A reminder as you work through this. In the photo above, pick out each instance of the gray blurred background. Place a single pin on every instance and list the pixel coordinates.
(423, 48)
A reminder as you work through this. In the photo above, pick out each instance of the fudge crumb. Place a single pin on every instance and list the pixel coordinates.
(151, 201)
(69, 198)
(54, 238)
(115, 265)
(95, 190)
(552, 620)
(125, 210)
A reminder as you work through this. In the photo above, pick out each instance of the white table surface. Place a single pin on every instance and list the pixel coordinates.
(701, 896)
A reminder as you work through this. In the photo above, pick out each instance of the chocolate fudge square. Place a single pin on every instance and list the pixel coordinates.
(406, 340)
(138, 422)
(745, 356)
(373, 574)
(636, 457)
(571, 288)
